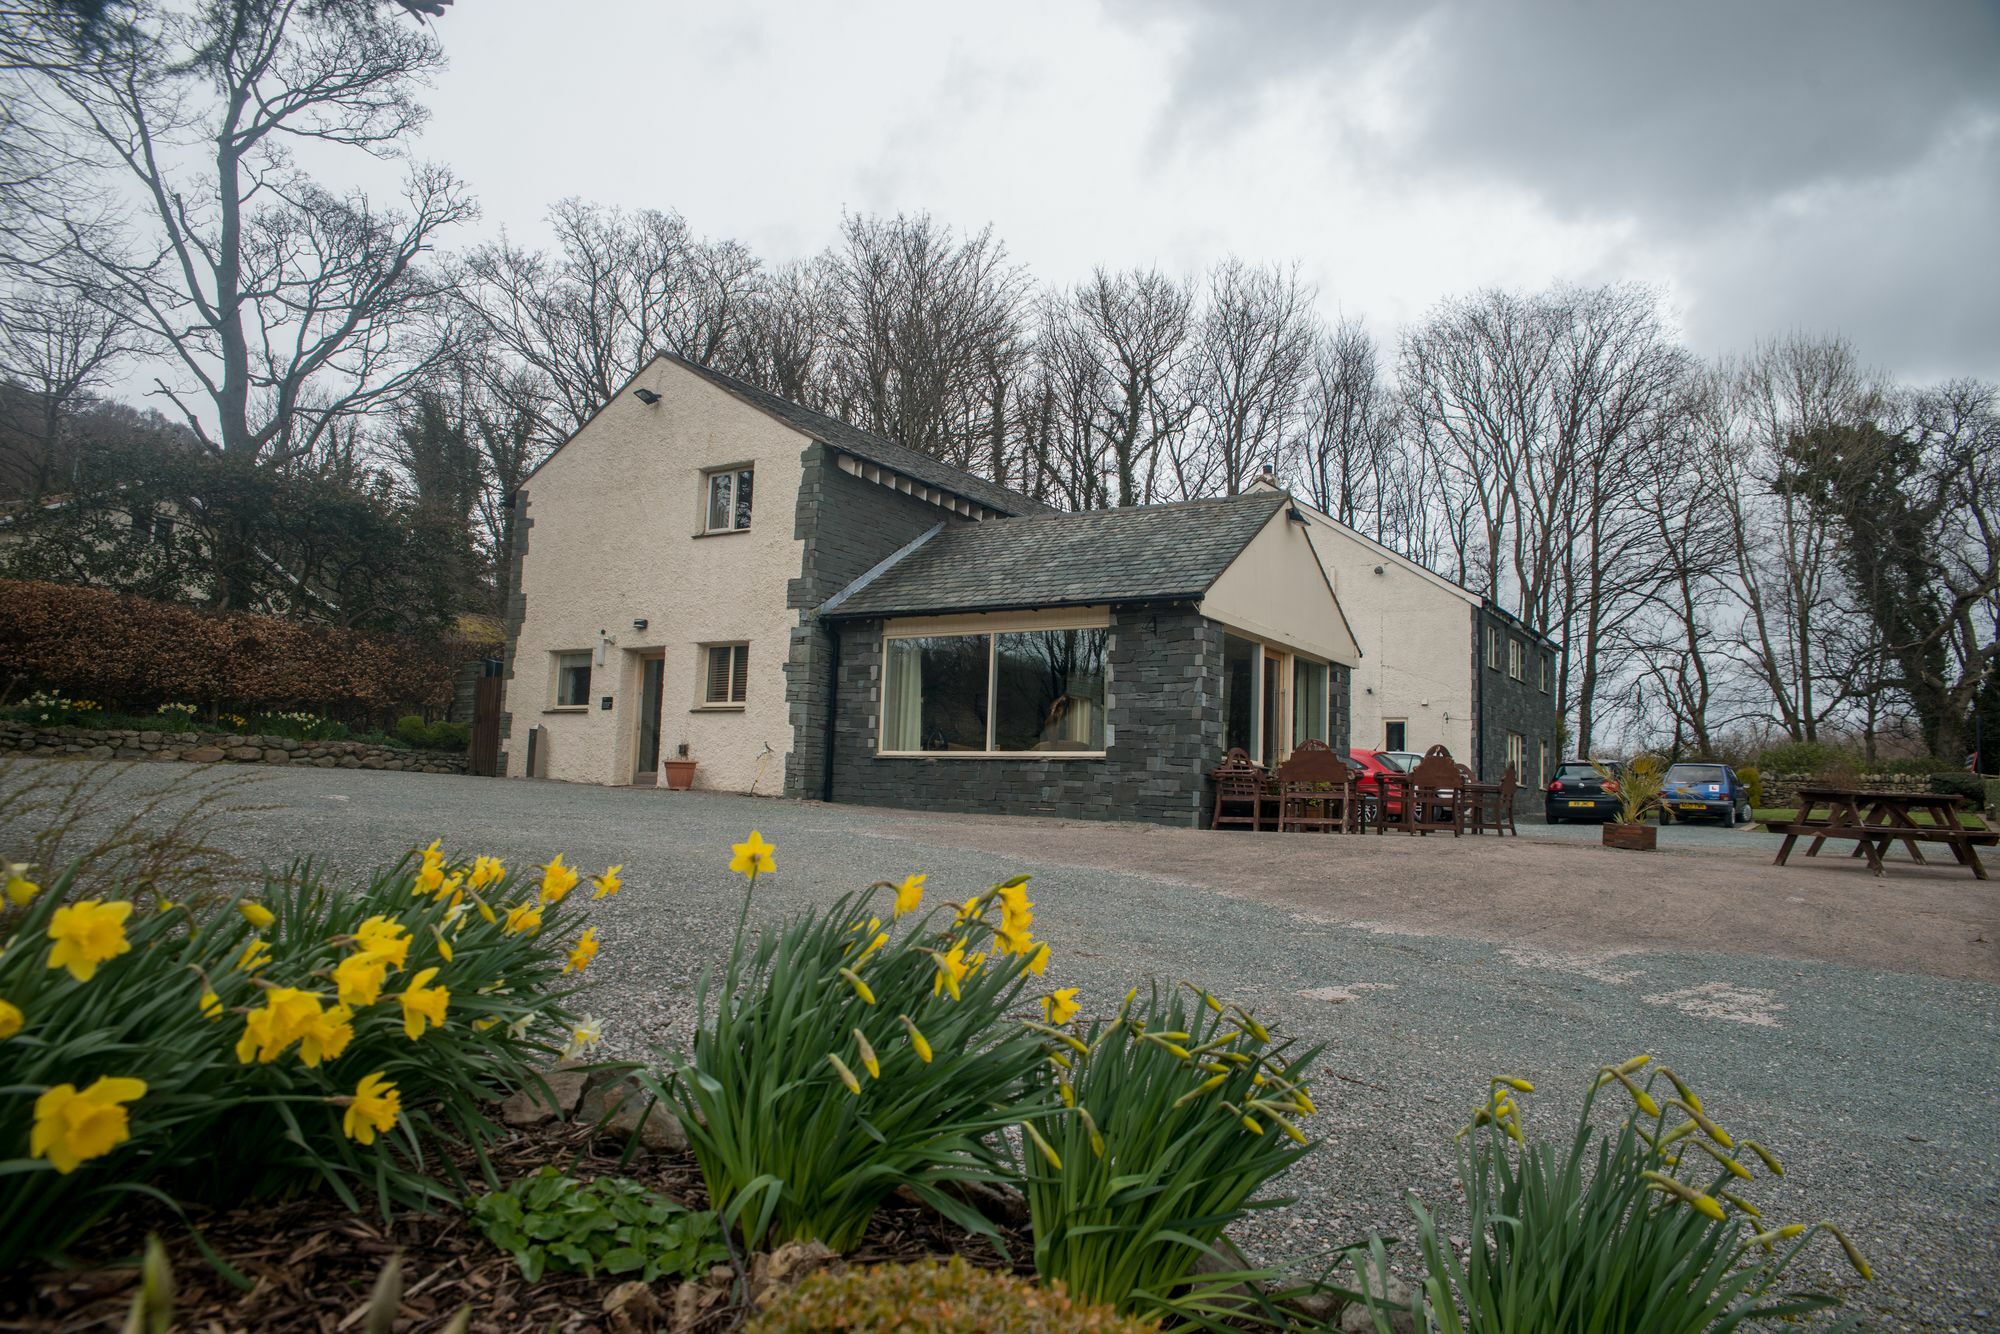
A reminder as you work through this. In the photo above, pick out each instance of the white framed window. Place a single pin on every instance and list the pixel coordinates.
(1493, 647)
(727, 493)
(1309, 701)
(1548, 671)
(1036, 691)
(572, 679)
(725, 677)
(1517, 660)
(1542, 765)
(1517, 754)
(1395, 734)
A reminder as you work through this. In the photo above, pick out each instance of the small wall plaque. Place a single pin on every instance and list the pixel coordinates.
(604, 703)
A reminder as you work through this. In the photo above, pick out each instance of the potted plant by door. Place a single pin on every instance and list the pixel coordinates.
(680, 769)
(1637, 788)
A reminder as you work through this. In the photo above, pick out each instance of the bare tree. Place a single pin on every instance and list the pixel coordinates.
(55, 348)
(618, 288)
(1253, 352)
(1347, 448)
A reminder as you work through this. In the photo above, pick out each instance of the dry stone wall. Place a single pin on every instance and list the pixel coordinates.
(220, 748)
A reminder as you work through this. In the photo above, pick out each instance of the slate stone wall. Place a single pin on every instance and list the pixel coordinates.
(1163, 717)
(89, 743)
(1505, 705)
(849, 526)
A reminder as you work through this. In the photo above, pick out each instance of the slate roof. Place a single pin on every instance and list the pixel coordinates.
(1148, 553)
(878, 450)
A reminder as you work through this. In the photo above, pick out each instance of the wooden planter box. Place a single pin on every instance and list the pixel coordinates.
(680, 774)
(1632, 837)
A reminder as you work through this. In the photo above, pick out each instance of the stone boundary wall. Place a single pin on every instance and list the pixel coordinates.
(220, 748)
(1781, 791)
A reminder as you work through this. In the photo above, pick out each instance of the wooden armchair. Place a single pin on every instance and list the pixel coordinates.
(1437, 793)
(1492, 805)
(1315, 790)
(1242, 793)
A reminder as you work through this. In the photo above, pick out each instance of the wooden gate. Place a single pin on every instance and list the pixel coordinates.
(485, 749)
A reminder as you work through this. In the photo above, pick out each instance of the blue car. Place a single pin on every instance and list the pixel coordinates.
(1701, 790)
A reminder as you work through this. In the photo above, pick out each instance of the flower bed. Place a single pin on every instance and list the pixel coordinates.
(221, 748)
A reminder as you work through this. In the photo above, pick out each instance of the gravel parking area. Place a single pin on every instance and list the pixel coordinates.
(1848, 1022)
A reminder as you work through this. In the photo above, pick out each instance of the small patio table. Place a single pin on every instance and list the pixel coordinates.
(1874, 820)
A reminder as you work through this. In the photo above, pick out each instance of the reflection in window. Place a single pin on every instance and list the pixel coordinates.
(934, 693)
(1309, 702)
(572, 680)
(1049, 690)
(729, 500)
(1239, 670)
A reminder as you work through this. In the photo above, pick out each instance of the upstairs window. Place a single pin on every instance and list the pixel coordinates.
(727, 679)
(1517, 660)
(1493, 648)
(1548, 671)
(728, 491)
(573, 680)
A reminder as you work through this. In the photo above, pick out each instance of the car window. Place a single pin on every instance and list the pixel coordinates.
(1571, 771)
(1402, 762)
(1695, 773)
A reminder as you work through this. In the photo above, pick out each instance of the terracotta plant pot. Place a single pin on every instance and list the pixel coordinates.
(680, 774)
(1632, 837)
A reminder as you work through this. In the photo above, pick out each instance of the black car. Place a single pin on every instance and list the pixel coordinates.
(1704, 790)
(1578, 792)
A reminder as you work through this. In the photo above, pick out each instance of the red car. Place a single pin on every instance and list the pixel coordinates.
(1375, 762)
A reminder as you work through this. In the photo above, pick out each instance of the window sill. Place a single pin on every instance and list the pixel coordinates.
(990, 754)
(718, 708)
(723, 532)
(568, 708)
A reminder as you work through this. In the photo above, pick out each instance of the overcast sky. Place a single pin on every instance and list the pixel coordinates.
(1820, 165)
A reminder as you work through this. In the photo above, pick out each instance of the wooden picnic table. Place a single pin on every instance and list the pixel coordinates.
(1874, 820)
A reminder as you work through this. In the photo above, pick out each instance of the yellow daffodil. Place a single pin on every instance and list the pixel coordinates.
(1038, 962)
(72, 1127)
(523, 917)
(1048, 1151)
(11, 1019)
(86, 934)
(917, 1043)
(210, 1005)
(374, 1108)
(846, 1075)
(861, 989)
(1015, 942)
(485, 910)
(423, 1002)
(584, 951)
(430, 875)
(20, 889)
(1014, 909)
(557, 880)
(275, 1025)
(875, 942)
(951, 970)
(452, 891)
(256, 914)
(444, 946)
(326, 1035)
(752, 857)
(604, 886)
(909, 894)
(486, 871)
(1060, 1007)
(972, 910)
(256, 955)
(384, 938)
(358, 978)
(867, 1054)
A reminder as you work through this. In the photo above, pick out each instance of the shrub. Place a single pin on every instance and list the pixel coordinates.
(48, 708)
(232, 1049)
(1961, 784)
(1636, 784)
(551, 1223)
(1176, 1115)
(1753, 785)
(950, 1298)
(110, 647)
(1643, 1229)
(844, 1060)
(412, 730)
(1917, 766)
(1806, 757)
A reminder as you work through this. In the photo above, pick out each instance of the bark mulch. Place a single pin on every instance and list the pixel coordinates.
(312, 1266)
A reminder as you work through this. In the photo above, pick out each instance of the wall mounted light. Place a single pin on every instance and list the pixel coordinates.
(639, 623)
(1378, 569)
(646, 396)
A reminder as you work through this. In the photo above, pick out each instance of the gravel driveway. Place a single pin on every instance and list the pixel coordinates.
(1848, 1022)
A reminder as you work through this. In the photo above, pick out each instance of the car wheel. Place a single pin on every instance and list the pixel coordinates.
(1728, 817)
(1553, 818)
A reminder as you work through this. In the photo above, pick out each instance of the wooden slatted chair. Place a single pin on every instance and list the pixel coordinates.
(1240, 793)
(1437, 794)
(1315, 790)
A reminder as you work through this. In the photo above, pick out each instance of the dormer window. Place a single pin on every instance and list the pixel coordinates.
(728, 491)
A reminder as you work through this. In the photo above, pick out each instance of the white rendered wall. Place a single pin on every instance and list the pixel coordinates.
(615, 515)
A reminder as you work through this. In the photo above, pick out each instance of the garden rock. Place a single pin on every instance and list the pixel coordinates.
(773, 1273)
(1394, 1301)
(621, 1107)
(204, 755)
(531, 1106)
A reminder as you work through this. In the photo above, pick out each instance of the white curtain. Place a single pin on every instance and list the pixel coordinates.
(903, 697)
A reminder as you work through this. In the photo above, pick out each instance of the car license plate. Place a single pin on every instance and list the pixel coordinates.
(1691, 806)
(1584, 804)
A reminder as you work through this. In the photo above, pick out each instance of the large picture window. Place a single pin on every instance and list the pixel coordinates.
(1309, 702)
(1239, 687)
(1026, 692)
